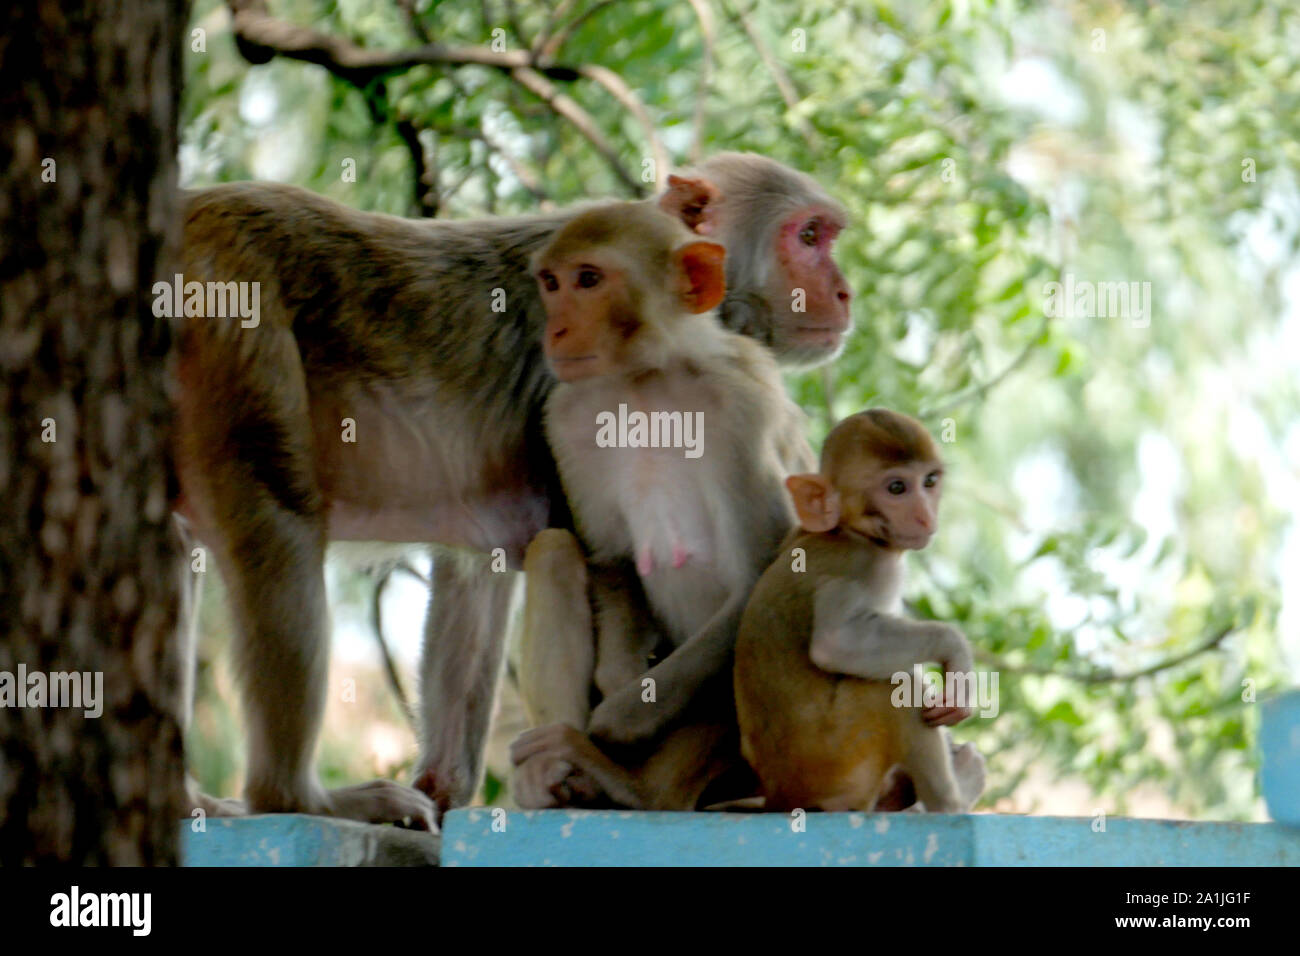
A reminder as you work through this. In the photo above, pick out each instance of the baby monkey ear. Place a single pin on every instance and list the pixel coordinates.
(701, 275)
(815, 502)
(694, 201)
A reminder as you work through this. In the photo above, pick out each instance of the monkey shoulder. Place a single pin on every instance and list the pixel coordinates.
(755, 398)
(780, 608)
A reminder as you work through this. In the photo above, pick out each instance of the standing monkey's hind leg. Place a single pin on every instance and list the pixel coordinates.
(248, 467)
(464, 645)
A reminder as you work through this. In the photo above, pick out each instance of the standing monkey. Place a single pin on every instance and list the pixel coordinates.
(678, 519)
(390, 388)
(818, 645)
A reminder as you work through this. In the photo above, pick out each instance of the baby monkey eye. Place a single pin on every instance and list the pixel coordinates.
(931, 479)
(897, 486)
(808, 234)
(548, 280)
(588, 278)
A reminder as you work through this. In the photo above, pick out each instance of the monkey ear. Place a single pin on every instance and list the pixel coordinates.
(815, 502)
(694, 201)
(701, 275)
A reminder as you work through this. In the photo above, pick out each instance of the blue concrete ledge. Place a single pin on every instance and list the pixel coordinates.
(296, 839)
(611, 838)
(498, 837)
(1279, 744)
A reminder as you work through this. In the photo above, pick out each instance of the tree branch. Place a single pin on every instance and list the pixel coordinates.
(377, 624)
(261, 37)
(523, 173)
(703, 13)
(581, 120)
(619, 89)
(543, 37)
(784, 85)
(426, 198)
(552, 46)
(1104, 675)
(982, 389)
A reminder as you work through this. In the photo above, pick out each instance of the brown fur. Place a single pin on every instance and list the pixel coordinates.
(387, 322)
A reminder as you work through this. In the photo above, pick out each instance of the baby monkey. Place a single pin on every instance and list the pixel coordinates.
(818, 646)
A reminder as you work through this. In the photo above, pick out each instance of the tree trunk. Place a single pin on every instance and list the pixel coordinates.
(88, 564)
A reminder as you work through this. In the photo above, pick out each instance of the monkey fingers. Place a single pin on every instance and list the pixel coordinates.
(588, 773)
(213, 806)
(384, 801)
(941, 716)
(539, 783)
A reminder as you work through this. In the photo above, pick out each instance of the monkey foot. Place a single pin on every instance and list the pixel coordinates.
(430, 784)
(379, 801)
(897, 792)
(213, 806)
(968, 768)
(384, 801)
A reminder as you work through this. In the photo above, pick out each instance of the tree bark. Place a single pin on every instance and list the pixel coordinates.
(89, 568)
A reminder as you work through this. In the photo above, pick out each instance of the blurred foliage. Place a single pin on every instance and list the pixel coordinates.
(1120, 492)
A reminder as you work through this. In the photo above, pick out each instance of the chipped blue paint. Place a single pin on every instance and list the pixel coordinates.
(295, 839)
(611, 838)
(1279, 744)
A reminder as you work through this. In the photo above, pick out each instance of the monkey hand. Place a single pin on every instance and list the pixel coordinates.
(957, 662)
(941, 716)
(547, 774)
(383, 801)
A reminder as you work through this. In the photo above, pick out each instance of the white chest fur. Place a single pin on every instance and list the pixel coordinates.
(661, 505)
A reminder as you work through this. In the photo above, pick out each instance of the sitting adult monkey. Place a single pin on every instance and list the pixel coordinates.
(388, 386)
(680, 517)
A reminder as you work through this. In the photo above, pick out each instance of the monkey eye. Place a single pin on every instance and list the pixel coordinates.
(897, 486)
(547, 278)
(809, 233)
(588, 278)
(931, 479)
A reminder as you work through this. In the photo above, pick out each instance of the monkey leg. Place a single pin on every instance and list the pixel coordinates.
(248, 471)
(275, 574)
(968, 768)
(558, 766)
(626, 635)
(558, 644)
(460, 672)
(928, 761)
(899, 793)
(187, 634)
(697, 764)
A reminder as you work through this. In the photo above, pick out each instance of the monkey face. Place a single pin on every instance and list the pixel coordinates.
(809, 294)
(589, 316)
(612, 283)
(897, 506)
